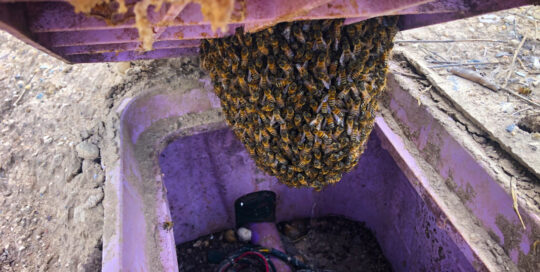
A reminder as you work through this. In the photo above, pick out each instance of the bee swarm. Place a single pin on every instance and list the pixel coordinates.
(301, 96)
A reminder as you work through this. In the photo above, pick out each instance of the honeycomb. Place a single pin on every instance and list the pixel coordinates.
(301, 96)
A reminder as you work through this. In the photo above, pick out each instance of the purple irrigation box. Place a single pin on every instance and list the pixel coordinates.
(54, 27)
(175, 167)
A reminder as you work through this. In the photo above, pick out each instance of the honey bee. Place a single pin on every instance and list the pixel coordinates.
(299, 54)
(302, 69)
(274, 43)
(287, 31)
(253, 73)
(323, 107)
(272, 131)
(338, 116)
(350, 125)
(346, 53)
(298, 35)
(271, 64)
(307, 116)
(332, 69)
(264, 80)
(277, 117)
(285, 136)
(285, 66)
(297, 120)
(305, 160)
(343, 94)
(269, 97)
(351, 31)
(355, 110)
(310, 86)
(332, 97)
(307, 133)
(282, 82)
(320, 66)
(281, 159)
(321, 134)
(342, 77)
(287, 50)
(324, 78)
(337, 132)
(279, 100)
(167, 225)
(301, 101)
(320, 44)
(268, 107)
(251, 149)
(289, 113)
(292, 88)
(261, 47)
(283, 170)
(317, 164)
(329, 121)
(265, 143)
(301, 179)
(290, 174)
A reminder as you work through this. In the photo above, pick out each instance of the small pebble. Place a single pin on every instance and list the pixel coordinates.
(39, 96)
(47, 139)
(521, 74)
(230, 236)
(510, 128)
(536, 63)
(197, 244)
(87, 150)
(20, 84)
(507, 107)
(510, 19)
(244, 234)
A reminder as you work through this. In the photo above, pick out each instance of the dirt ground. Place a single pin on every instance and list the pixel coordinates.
(56, 118)
(327, 244)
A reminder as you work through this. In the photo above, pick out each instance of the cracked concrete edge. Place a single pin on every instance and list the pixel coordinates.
(466, 224)
(468, 138)
(532, 163)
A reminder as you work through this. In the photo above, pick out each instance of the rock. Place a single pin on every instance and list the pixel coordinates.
(291, 231)
(230, 236)
(507, 107)
(86, 150)
(536, 63)
(47, 139)
(510, 128)
(93, 174)
(510, 19)
(197, 244)
(489, 18)
(122, 67)
(95, 198)
(514, 42)
(244, 234)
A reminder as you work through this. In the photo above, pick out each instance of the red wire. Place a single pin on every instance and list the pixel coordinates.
(266, 265)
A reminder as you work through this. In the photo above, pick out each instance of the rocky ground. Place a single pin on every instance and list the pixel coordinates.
(55, 119)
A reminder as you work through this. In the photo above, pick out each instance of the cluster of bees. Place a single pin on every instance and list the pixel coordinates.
(301, 96)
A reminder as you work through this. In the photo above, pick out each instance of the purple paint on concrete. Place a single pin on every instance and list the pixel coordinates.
(52, 25)
(480, 191)
(205, 173)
